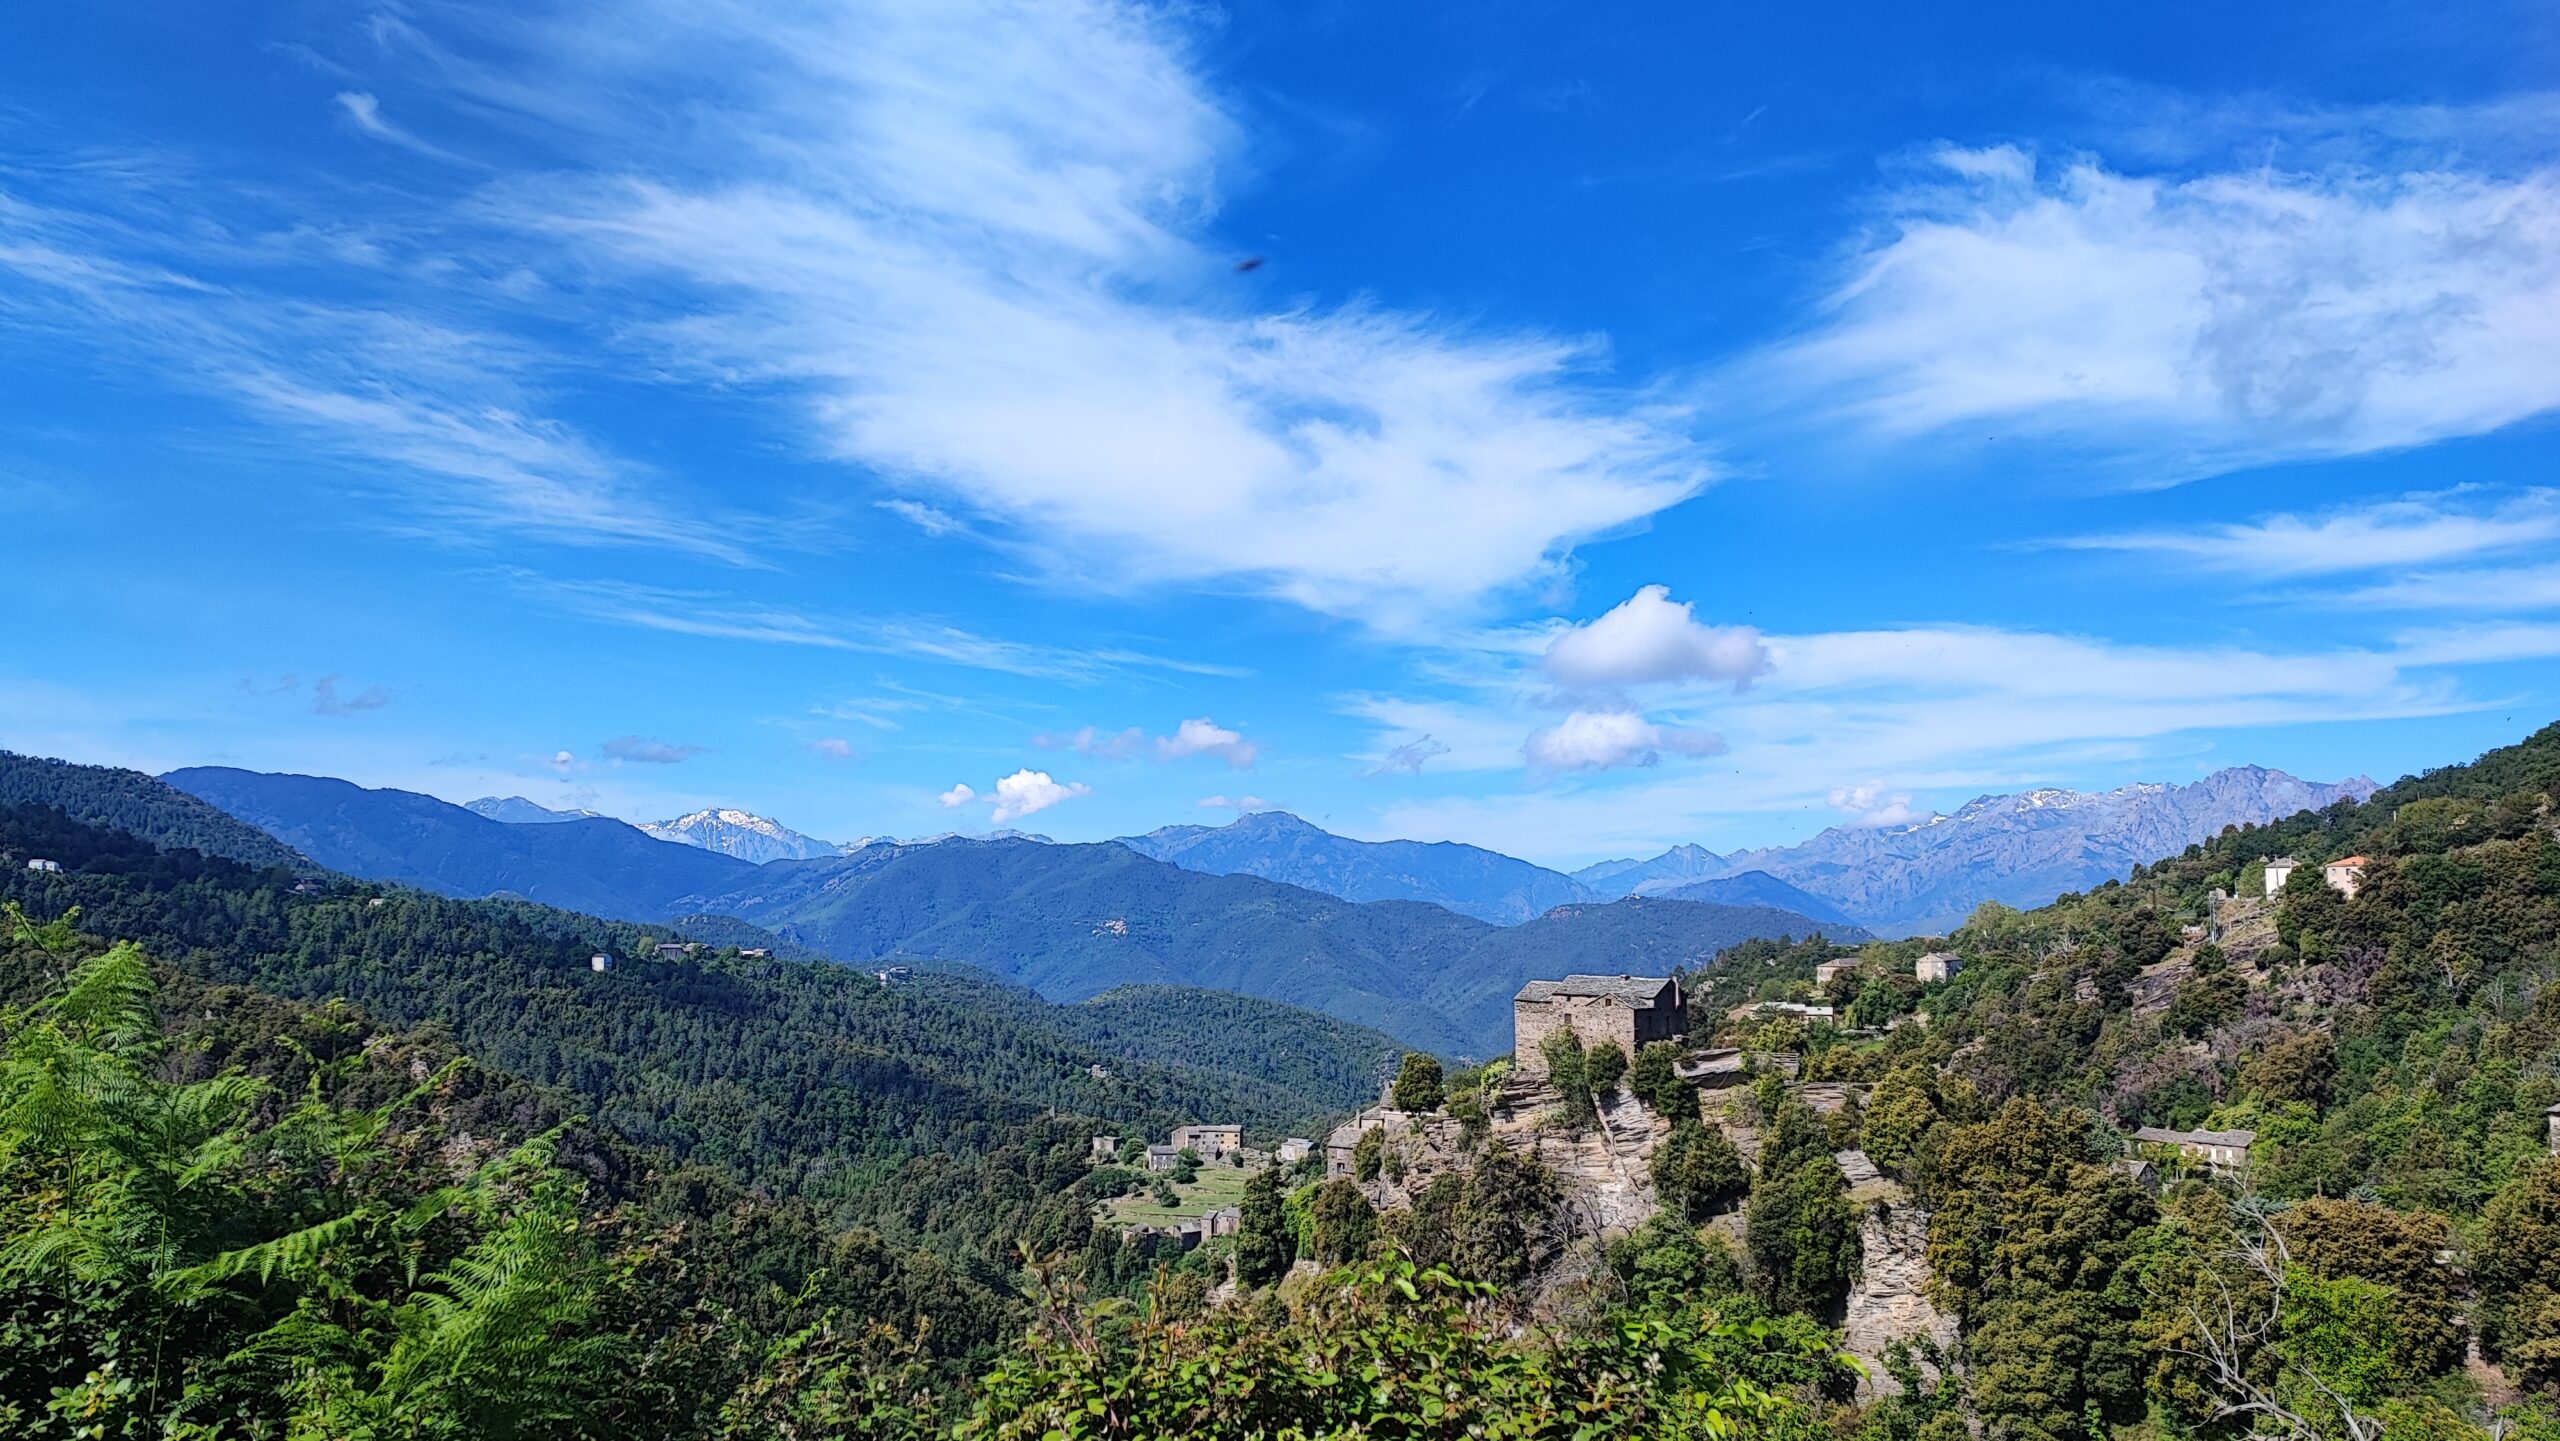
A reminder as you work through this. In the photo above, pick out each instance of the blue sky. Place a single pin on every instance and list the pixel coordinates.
(1640, 426)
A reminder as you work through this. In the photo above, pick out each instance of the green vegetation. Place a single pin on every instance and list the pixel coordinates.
(1417, 1086)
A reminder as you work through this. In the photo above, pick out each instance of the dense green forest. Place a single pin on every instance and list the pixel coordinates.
(797, 1075)
(141, 806)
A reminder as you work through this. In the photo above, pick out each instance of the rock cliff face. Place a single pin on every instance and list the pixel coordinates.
(1890, 1300)
(1606, 1168)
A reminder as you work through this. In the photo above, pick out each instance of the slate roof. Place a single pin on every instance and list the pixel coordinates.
(2158, 1136)
(1624, 990)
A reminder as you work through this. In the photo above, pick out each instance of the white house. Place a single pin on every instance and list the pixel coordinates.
(41, 864)
(2345, 877)
(2221, 1150)
(600, 961)
(2278, 869)
(1937, 966)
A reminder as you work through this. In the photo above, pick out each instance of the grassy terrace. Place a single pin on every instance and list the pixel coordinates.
(1220, 1185)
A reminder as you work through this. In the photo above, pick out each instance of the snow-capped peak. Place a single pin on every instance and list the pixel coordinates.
(744, 834)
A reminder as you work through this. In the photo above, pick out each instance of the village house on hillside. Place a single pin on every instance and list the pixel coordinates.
(1211, 1142)
(2224, 1151)
(1829, 971)
(1936, 966)
(1624, 1011)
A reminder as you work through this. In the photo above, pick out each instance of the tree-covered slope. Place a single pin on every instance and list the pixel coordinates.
(1299, 1052)
(139, 805)
(601, 867)
(801, 1075)
(1076, 920)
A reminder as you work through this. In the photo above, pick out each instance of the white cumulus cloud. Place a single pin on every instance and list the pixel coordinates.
(956, 797)
(1205, 737)
(1651, 638)
(1869, 804)
(1028, 792)
(1607, 739)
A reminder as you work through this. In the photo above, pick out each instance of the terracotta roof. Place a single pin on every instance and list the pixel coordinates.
(1625, 990)
(2351, 861)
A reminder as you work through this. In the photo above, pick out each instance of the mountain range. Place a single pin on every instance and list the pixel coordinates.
(1278, 846)
(1068, 921)
(2023, 850)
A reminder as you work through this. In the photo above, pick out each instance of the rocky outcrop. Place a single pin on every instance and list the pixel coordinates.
(1606, 1167)
(1890, 1300)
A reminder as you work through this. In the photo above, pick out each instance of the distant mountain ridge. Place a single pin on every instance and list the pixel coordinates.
(1069, 921)
(517, 811)
(2025, 849)
(1278, 846)
(1072, 921)
(1678, 866)
(599, 867)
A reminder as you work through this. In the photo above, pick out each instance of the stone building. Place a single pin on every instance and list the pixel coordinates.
(1624, 1011)
(1103, 1149)
(1295, 1149)
(1936, 966)
(1829, 971)
(1214, 1143)
(1163, 1158)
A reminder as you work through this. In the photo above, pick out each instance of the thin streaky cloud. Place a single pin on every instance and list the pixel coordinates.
(2414, 531)
(722, 617)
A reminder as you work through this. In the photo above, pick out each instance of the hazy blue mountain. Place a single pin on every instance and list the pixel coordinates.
(744, 834)
(1278, 846)
(1758, 888)
(601, 867)
(2025, 849)
(1678, 866)
(1072, 921)
(517, 811)
(142, 806)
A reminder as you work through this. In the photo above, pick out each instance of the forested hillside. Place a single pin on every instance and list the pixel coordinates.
(139, 805)
(601, 867)
(1070, 921)
(2382, 1063)
(801, 1075)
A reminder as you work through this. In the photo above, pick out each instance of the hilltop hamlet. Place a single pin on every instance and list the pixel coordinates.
(1622, 1151)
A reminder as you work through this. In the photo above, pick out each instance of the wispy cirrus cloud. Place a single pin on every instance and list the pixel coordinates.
(2198, 320)
(2417, 530)
(446, 415)
(718, 616)
(974, 239)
